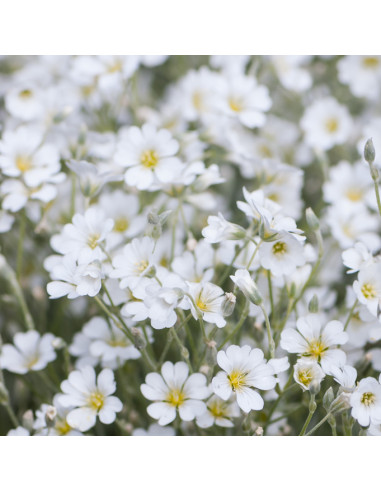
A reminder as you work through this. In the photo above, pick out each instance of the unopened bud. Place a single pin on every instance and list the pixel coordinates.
(205, 369)
(369, 152)
(139, 340)
(191, 244)
(259, 431)
(185, 353)
(50, 416)
(28, 420)
(211, 354)
(228, 304)
(313, 306)
(314, 388)
(151, 272)
(58, 343)
(312, 221)
(153, 218)
(328, 398)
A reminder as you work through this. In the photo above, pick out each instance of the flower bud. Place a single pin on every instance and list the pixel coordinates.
(139, 340)
(28, 420)
(243, 281)
(369, 152)
(228, 304)
(312, 221)
(259, 431)
(328, 398)
(313, 305)
(50, 416)
(58, 343)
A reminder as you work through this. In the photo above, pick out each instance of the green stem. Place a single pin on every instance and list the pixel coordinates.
(270, 293)
(312, 408)
(319, 424)
(183, 350)
(11, 414)
(269, 334)
(20, 245)
(350, 314)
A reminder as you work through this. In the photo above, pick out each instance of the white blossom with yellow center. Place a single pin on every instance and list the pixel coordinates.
(90, 397)
(315, 342)
(174, 392)
(243, 370)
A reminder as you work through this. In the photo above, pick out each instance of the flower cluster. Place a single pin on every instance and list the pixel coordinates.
(190, 246)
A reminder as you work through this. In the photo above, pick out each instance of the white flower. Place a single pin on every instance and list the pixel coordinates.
(22, 154)
(345, 376)
(219, 229)
(326, 123)
(30, 352)
(243, 99)
(367, 287)
(308, 373)
(84, 237)
(173, 391)
(357, 257)
(207, 302)
(218, 412)
(243, 369)
(91, 398)
(134, 262)
(310, 339)
(106, 343)
(283, 255)
(59, 425)
(25, 102)
(154, 430)
(72, 280)
(290, 72)
(362, 74)
(349, 186)
(366, 402)
(243, 281)
(148, 154)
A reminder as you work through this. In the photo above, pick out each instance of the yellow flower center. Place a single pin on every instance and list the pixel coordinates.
(316, 348)
(355, 195)
(117, 343)
(115, 67)
(265, 151)
(368, 399)
(237, 380)
(23, 163)
(92, 240)
(121, 224)
(26, 94)
(197, 100)
(149, 158)
(305, 377)
(32, 361)
(175, 397)
(371, 62)
(62, 427)
(141, 266)
(235, 105)
(332, 125)
(217, 408)
(279, 248)
(96, 400)
(201, 304)
(368, 291)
